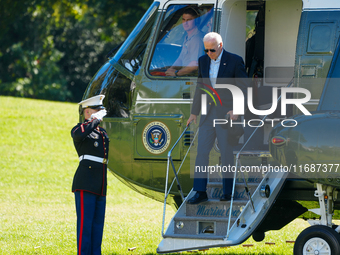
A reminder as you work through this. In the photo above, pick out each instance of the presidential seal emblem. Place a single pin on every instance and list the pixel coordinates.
(156, 137)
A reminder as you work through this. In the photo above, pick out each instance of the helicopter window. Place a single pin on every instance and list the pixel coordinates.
(118, 96)
(117, 89)
(180, 40)
(131, 53)
(320, 37)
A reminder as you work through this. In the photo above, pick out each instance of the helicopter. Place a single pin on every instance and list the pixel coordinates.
(286, 45)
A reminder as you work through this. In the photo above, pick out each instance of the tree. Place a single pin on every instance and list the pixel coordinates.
(50, 49)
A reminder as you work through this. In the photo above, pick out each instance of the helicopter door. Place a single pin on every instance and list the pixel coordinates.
(264, 34)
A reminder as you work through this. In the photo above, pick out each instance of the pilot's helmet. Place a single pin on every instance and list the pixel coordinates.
(95, 102)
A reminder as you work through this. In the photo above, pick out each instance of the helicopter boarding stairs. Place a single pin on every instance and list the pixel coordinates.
(216, 223)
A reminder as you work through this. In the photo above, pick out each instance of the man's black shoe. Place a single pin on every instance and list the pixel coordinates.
(226, 197)
(198, 198)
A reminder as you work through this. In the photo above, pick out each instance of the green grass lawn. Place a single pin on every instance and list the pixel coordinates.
(37, 215)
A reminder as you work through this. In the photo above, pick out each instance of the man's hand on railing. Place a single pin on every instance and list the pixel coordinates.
(232, 116)
(192, 117)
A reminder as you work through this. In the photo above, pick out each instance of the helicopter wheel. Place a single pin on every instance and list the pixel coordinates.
(317, 240)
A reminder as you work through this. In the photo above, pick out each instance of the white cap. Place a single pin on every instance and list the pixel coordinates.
(93, 102)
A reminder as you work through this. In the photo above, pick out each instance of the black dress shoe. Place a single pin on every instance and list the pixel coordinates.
(226, 197)
(198, 198)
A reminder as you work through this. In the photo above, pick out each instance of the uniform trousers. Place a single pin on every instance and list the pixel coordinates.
(90, 210)
(206, 139)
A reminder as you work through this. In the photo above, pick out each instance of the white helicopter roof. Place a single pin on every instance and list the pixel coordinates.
(321, 4)
(307, 4)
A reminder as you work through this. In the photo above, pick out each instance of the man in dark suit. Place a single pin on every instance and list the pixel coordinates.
(222, 67)
(90, 180)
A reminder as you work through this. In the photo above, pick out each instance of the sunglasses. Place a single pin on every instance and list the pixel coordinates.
(211, 50)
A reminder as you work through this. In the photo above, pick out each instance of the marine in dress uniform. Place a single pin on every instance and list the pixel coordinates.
(90, 180)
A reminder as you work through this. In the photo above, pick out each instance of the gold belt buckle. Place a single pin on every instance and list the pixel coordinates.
(104, 161)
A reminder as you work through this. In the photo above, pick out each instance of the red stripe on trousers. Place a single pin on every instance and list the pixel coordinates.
(81, 220)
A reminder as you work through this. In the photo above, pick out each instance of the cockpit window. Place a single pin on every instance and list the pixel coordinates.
(131, 53)
(117, 89)
(180, 40)
(118, 96)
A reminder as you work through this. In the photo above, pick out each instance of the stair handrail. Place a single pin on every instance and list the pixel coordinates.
(238, 159)
(167, 191)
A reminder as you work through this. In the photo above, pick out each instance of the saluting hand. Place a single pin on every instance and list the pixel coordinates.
(99, 115)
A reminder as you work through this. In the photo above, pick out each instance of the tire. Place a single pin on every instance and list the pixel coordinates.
(317, 240)
(258, 236)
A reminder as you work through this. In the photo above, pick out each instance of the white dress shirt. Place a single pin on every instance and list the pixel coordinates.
(214, 67)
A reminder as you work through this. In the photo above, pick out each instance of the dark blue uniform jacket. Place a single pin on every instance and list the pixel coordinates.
(90, 139)
(231, 71)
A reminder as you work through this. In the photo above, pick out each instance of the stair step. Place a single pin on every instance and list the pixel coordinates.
(217, 183)
(197, 225)
(184, 236)
(192, 218)
(249, 177)
(215, 190)
(255, 153)
(215, 208)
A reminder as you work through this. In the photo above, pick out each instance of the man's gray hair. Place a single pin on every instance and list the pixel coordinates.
(213, 36)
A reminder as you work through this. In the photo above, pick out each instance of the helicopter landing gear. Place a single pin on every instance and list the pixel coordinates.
(317, 240)
(320, 238)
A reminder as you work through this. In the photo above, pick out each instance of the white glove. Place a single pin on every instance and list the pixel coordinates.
(99, 115)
